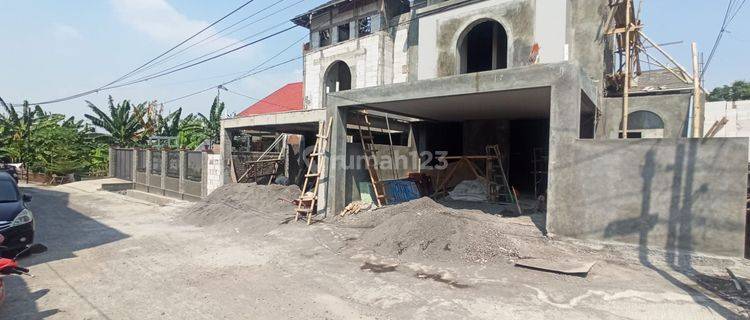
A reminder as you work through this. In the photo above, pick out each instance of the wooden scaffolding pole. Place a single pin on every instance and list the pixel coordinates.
(626, 86)
(697, 103)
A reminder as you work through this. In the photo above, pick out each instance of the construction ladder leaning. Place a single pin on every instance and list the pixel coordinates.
(367, 140)
(497, 182)
(308, 200)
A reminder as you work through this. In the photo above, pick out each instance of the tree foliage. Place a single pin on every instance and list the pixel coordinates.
(53, 144)
(123, 122)
(47, 142)
(737, 91)
(212, 123)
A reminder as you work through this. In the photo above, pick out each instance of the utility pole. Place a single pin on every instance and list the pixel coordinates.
(697, 96)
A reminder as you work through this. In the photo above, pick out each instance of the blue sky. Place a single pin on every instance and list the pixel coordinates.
(53, 48)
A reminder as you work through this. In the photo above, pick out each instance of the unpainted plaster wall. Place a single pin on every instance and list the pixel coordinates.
(586, 41)
(672, 109)
(678, 194)
(440, 33)
(364, 57)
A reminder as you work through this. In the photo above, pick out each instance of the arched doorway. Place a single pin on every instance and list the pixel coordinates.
(338, 77)
(484, 47)
(644, 125)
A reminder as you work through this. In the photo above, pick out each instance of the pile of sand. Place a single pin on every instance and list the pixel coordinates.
(236, 204)
(424, 229)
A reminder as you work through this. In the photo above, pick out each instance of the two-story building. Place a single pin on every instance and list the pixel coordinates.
(530, 76)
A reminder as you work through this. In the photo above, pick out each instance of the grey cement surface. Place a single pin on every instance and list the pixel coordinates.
(679, 194)
(151, 198)
(517, 18)
(135, 262)
(671, 108)
(567, 82)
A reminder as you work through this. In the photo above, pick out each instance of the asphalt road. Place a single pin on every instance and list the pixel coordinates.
(112, 257)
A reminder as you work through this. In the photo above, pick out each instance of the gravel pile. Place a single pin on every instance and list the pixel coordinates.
(424, 229)
(234, 204)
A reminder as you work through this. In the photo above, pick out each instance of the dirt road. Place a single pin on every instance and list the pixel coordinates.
(113, 257)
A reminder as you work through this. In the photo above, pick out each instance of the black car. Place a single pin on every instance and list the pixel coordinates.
(16, 219)
(11, 170)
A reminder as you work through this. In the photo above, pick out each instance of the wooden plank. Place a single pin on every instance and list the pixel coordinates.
(697, 103)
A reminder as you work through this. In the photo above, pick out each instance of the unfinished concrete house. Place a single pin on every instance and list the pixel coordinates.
(524, 97)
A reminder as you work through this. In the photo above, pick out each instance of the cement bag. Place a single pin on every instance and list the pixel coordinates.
(470, 190)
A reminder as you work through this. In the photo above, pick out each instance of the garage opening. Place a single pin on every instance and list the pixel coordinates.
(338, 77)
(459, 156)
(484, 47)
(271, 154)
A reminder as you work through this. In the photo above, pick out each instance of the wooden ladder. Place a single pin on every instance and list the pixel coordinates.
(497, 182)
(307, 202)
(367, 140)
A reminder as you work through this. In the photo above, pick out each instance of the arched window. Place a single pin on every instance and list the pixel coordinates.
(338, 77)
(644, 124)
(484, 47)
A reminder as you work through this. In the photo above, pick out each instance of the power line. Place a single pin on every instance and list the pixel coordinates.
(164, 73)
(179, 44)
(85, 93)
(161, 74)
(212, 37)
(222, 48)
(729, 16)
(248, 73)
(233, 80)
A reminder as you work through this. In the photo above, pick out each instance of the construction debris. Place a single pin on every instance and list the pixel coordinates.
(556, 266)
(355, 207)
(470, 190)
(739, 284)
(424, 229)
(235, 203)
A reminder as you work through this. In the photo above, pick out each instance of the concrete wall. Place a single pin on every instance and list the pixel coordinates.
(440, 31)
(679, 194)
(401, 48)
(738, 114)
(364, 56)
(164, 185)
(586, 41)
(672, 109)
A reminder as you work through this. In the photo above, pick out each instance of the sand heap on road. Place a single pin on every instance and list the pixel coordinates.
(236, 204)
(424, 229)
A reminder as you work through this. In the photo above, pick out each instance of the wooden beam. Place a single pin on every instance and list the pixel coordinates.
(697, 105)
(667, 55)
(626, 86)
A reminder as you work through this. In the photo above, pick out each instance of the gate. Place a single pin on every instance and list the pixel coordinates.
(124, 164)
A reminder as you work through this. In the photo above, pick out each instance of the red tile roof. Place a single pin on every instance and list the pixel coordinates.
(288, 98)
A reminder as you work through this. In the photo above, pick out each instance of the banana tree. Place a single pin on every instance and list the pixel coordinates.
(123, 122)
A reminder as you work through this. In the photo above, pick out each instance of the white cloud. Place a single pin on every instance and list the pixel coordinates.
(64, 32)
(159, 20)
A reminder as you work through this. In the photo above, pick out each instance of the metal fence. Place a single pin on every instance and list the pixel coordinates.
(123, 164)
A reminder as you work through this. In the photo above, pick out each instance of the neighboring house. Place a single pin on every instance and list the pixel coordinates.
(288, 98)
(737, 114)
(534, 77)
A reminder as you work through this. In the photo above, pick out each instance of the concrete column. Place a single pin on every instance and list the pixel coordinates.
(565, 110)
(204, 174)
(111, 158)
(163, 170)
(183, 170)
(225, 137)
(134, 167)
(148, 170)
(334, 183)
